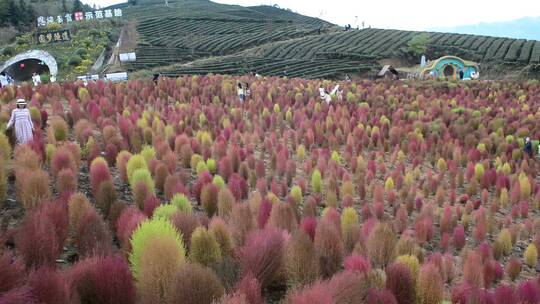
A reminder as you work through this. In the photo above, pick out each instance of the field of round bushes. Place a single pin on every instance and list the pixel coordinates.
(402, 192)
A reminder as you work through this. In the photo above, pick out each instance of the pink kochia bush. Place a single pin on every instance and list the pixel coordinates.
(103, 280)
(37, 240)
(262, 255)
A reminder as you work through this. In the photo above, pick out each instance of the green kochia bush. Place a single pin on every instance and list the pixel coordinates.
(150, 229)
(134, 163)
(181, 202)
(204, 248)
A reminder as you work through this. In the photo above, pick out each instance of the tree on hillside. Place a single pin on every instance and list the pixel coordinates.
(14, 13)
(77, 6)
(133, 2)
(64, 6)
(417, 46)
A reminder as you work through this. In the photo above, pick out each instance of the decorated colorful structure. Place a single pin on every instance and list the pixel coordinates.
(451, 67)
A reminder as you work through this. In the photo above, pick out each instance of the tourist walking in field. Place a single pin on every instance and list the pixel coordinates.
(22, 121)
(241, 93)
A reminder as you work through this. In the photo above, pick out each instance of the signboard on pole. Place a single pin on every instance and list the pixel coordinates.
(53, 36)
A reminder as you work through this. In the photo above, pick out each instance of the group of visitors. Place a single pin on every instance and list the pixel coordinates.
(243, 91)
(327, 97)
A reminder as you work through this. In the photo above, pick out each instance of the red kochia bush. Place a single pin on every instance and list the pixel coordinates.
(400, 282)
(315, 294)
(504, 295)
(62, 159)
(49, 286)
(66, 182)
(99, 173)
(37, 240)
(528, 293)
(12, 274)
(93, 236)
(21, 295)
(238, 186)
(262, 255)
(127, 222)
(202, 180)
(357, 263)
(309, 225)
(57, 212)
(104, 280)
(250, 288)
(380, 297)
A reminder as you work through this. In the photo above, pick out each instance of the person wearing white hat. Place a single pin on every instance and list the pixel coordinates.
(22, 121)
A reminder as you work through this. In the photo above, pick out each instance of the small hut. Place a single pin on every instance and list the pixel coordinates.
(451, 67)
(388, 72)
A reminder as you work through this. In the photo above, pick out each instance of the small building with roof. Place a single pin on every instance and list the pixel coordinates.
(451, 67)
(388, 72)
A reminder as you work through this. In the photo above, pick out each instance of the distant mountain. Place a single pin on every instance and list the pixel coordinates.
(524, 28)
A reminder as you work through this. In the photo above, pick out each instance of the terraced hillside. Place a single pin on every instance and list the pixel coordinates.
(199, 37)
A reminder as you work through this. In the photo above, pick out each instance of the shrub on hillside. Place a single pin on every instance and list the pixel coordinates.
(92, 235)
(167, 235)
(37, 241)
(185, 223)
(380, 244)
(209, 199)
(401, 283)
(301, 263)
(12, 274)
(127, 222)
(49, 286)
(32, 187)
(121, 163)
(242, 222)
(513, 268)
(204, 248)
(66, 182)
(192, 283)
(99, 173)
(283, 217)
(531, 256)
(105, 197)
(62, 159)
(134, 163)
(262, 255)
(430, 285)
(104, 280)
(225, 202)
(182, 203)
(78, 204)
(164, 212)
(329, 248)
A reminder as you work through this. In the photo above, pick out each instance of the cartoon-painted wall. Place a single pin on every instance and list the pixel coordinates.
(451, 67)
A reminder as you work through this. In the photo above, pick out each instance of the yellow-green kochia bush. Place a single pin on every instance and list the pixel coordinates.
(316, 183)
(181, 202)
(148, 230)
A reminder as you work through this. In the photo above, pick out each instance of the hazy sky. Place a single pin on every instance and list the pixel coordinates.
(399, 14)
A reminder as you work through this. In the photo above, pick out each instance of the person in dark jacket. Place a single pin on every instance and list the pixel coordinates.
(528, 146)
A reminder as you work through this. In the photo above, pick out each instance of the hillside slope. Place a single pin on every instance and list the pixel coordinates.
(200, 36)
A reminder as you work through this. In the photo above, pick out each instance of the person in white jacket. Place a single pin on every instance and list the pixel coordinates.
(36, 79)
